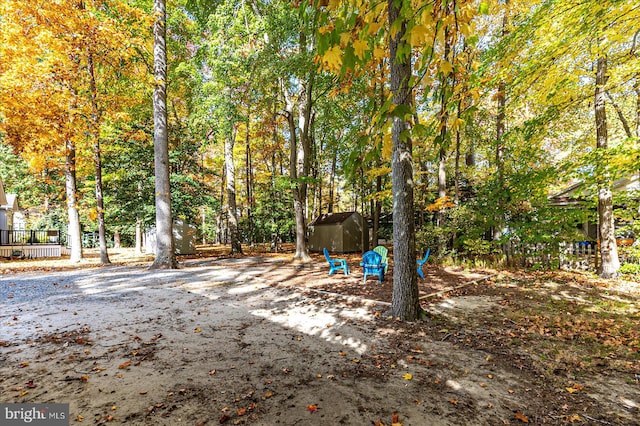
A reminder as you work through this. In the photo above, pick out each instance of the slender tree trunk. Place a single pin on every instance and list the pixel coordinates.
(97, 161)
(405, 303)
(165, 257)
(236, 247)
(74, 232)
(608, 249)
(219, 218)
(138, 235)
(620, 114)
(636, 88)
(249, 182)
(501, 100)
(332, 182)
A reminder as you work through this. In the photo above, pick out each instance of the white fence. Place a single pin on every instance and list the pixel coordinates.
(31, 251)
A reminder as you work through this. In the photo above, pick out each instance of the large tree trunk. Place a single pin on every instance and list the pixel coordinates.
(299, 164)
(236, 247)
(405, 304)
(165, 256)
(608, 249)
(501, 100)
(74, 232)
(97, 161)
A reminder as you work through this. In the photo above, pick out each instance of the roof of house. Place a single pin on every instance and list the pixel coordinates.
(331, 218)
(575, 192)
(11, 202)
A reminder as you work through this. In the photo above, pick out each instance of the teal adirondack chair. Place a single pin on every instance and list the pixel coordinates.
(422, 262)
(383, 252)
(372, 265)
(336, 264)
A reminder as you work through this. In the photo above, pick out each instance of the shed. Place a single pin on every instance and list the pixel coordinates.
(338, 232)
(184, 238)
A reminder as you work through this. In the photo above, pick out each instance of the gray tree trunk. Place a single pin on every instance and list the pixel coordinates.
(74, 232)
(165, 255)
(608, 249)
(97, 161)
(236, 247)
(405, 303)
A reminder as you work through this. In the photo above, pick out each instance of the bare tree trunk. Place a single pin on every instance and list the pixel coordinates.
(97, 161)
(501, 99)
(620, 114)
(165, 257)
(74, 232)
(138, 235)
(236, 247)
(608, 249)
(249, 182)
(405, 303)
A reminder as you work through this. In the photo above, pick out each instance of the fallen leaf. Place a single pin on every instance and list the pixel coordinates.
(212, 372)
(453, 401)
(377, 423)
(572, 390)
(313, 408)
(23, 393)
(79, 418)
(521, 417)
(84, 378)
(356, 360)
(124, 365)
(224, 418)
(268, 394)
(30, 384)
(142, 392)
(23, 364)
(408, 376)
(197, 330)
(242, 411)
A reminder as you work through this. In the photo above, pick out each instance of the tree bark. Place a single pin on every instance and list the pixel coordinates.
(74, 232)
(405, 303)
(165, 256)
(608, 249)
(236, 247)
(97, 160)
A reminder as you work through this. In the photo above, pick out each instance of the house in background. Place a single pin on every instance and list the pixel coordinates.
(18, 242)
(575, 195)
(338, 232)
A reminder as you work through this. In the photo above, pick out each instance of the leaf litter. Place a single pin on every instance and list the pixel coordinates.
(513, 349)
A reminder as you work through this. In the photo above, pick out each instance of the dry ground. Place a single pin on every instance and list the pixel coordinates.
(261, 340)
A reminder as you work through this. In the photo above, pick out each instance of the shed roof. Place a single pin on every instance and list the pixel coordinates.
(331, 218)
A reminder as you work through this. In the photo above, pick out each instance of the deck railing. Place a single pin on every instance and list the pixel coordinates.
(29, 237)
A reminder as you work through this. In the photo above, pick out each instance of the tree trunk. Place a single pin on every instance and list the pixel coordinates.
(501, 100)
(165, 257)
(608, 249)
(299, 165)
(405, 303)
(236, 247)
(249, 183)
(138, 235)
(74, 232)
(97, 161)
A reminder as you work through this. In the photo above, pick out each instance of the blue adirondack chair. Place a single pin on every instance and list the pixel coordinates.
(384, 252)
(336, 264)
(422, 262)
(372, 265)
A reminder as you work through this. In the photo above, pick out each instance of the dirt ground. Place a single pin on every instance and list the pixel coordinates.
(263, 341)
